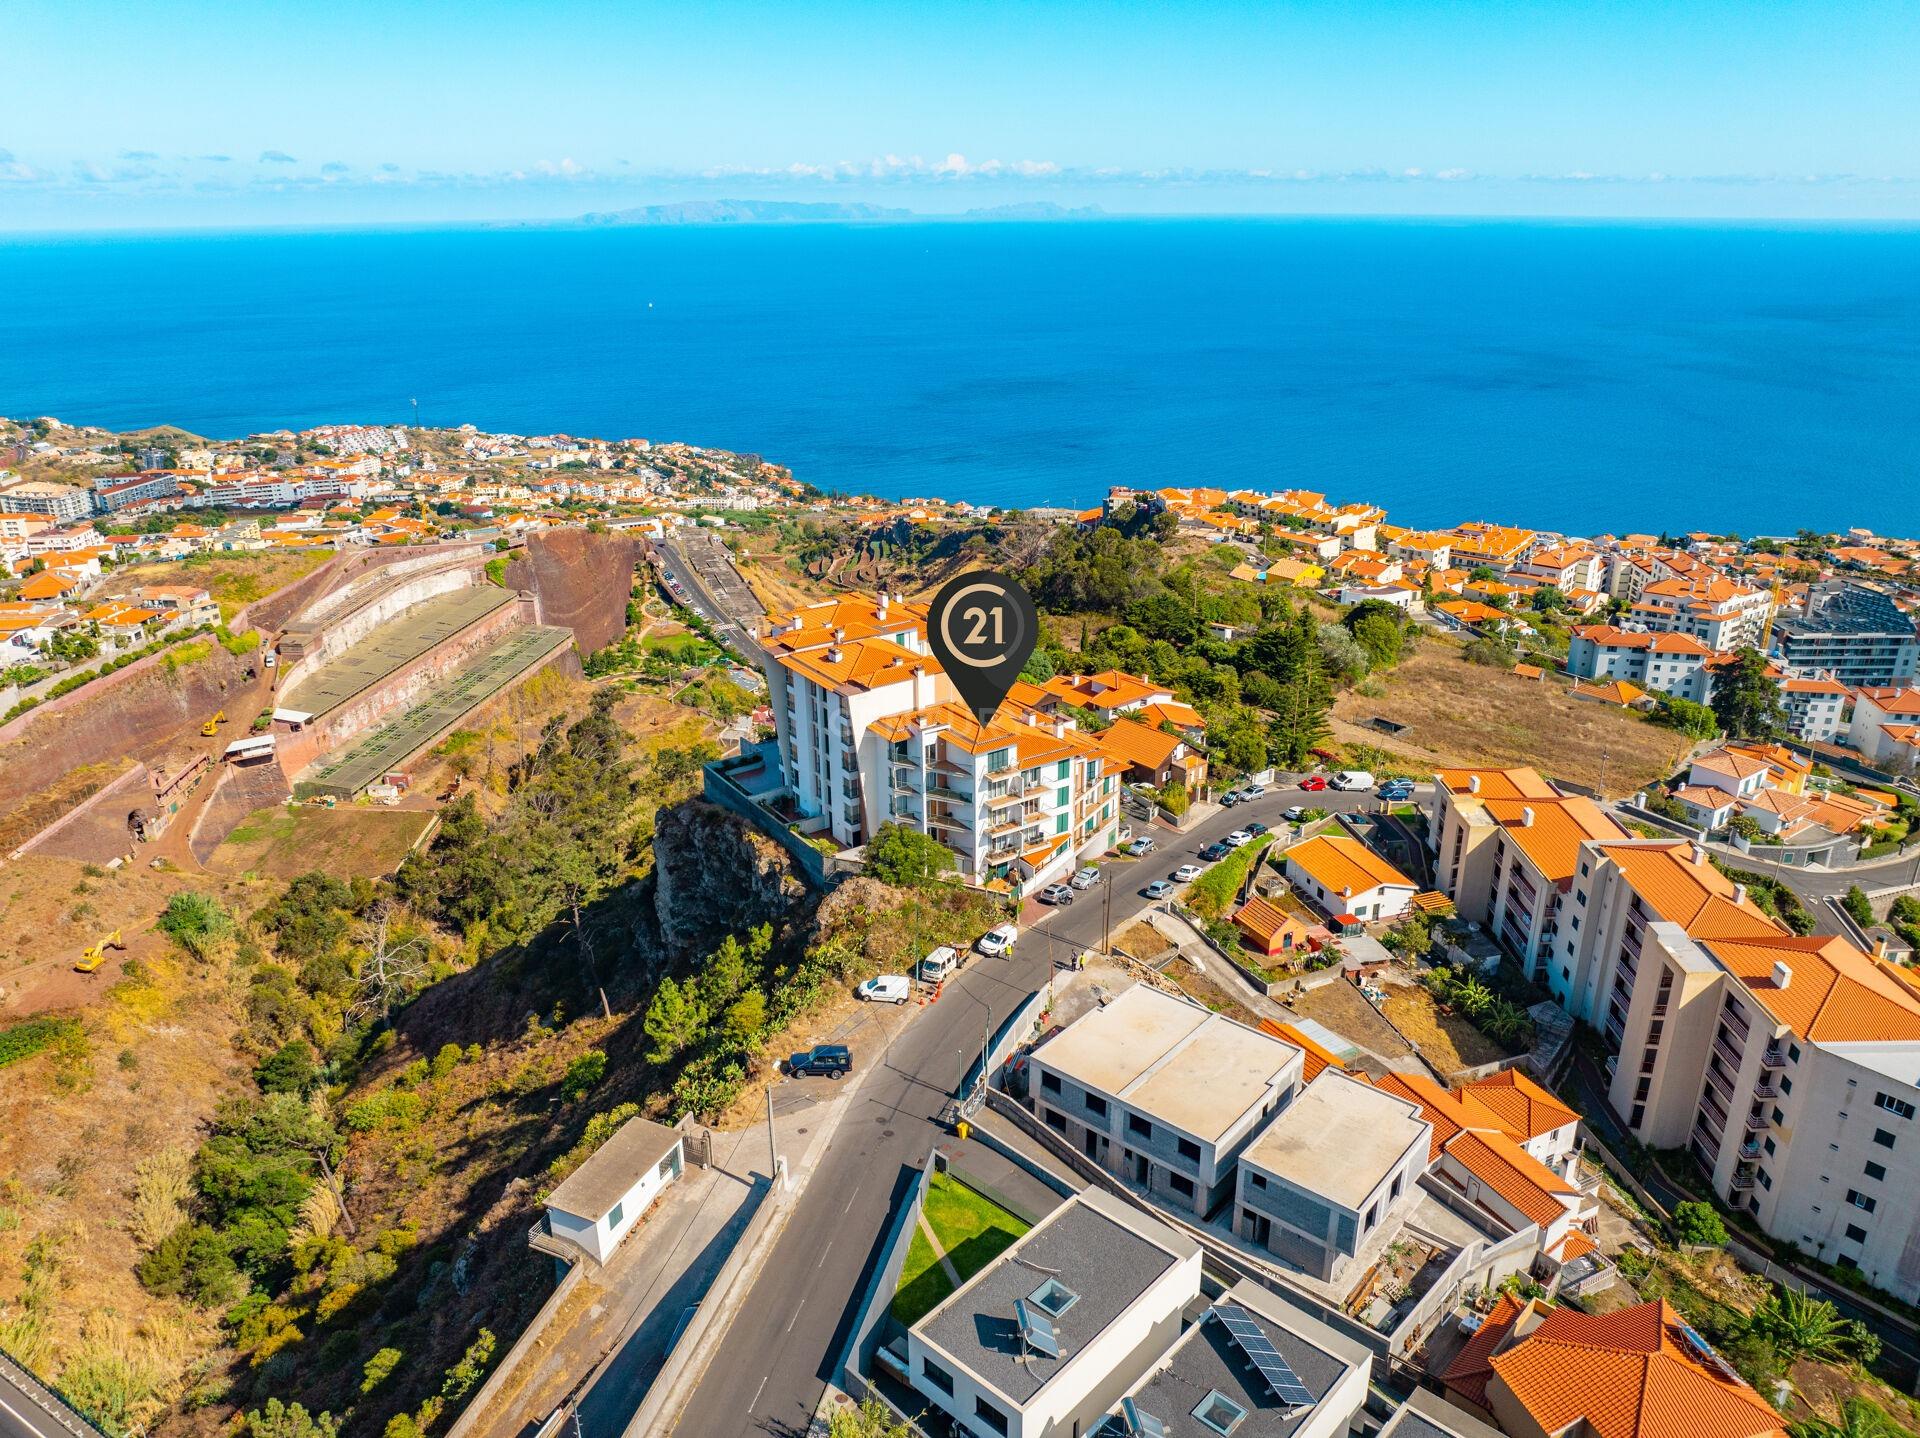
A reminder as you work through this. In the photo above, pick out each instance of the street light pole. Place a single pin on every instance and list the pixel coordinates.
(773, 1141)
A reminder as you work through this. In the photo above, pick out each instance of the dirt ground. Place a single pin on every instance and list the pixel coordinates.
(51, 909)
(1215, 996)
(1142, 940)
(1340, 1007)
(1461, 713)
(71, 789)
(1449, 1043)
(292, 839)
(234, 580)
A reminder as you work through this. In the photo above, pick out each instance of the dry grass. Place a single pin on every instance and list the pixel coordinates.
(234, 580)
(1461, 713)
(66, 792)
(288, 840)
(1142, 940)
(1340, 1007)
(1448, 1042)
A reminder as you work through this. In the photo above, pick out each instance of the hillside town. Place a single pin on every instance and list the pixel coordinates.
(1267, 1048)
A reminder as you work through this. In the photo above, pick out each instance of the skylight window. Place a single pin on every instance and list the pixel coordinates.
(1053, 1298)
(1219, 1412)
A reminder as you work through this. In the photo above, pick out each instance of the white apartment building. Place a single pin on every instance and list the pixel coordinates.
(1814, 708)
(1717, 611)
(1162, 1092)
(1885, 727)
(1567, 567)
(1506, 845)
(1670, 663)
(871, 732)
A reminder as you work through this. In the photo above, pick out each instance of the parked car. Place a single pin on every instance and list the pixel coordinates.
(1314, 783)
(1215, 851)
(1253, 791)
(1296, 814)
(938, 964)
(1397, 789)
(1239, 837)
(886, 989)
(1187, 873)
(1145, 844)
(833, 1060)
(1352, 780)
(1085, 877)
(1256, 829)
(1056, 894)
(1158, 889)
(1230, 798)
(997, 941)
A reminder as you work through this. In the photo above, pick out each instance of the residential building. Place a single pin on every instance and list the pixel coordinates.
(1102, 1288)
(1854, 633)
(1427, 1415)
(1109, 693)
(1162, 1092)
(1721, 613)
(1815, 708)
(1347, 879)
(1640, 1372)
(1885, 726)
(18, 526)
(121, 491)
(1676, 664)
(1506, 845)
(1209, 1375)
(1339, 1165)
(1154, 756)
(1496, 546)
(63, 502)
(1567, 567)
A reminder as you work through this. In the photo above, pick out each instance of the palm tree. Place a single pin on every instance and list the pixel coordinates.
(1473, 997)
(1505, 1022)
(1799, 1326)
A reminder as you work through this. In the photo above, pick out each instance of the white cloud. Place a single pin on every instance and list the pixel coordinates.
(276, 157)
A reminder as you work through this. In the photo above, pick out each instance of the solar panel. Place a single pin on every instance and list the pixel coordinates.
(1253, 1341)
(1036, 1330)
(1139, 1423)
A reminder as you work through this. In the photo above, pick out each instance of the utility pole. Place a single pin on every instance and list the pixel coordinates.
(1106, 944)
(773, 1141)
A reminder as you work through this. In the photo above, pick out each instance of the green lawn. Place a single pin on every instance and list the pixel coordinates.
(972, 1228)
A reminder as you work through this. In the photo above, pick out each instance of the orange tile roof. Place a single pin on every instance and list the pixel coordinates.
(1559, 826)
(858, 664)
(1341, 865)
(1171, 711)
(1267, 924)
(1617, 692)
(1317, 1058)
(1513, 1173)
(1515, 783)
(1696, 896)
(1437, 1106)
(1472, 1367)
(1834, 993)
(1108, 689)
(1734, 763)
(1633, 1373)
(1519, 1106)
(1134, 743)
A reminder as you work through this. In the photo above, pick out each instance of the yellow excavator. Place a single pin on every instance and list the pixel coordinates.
(91, 958)
(212, 725)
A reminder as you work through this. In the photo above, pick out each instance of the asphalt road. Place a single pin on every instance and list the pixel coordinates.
(714, 589)
(771, 1365)
(28, 1411)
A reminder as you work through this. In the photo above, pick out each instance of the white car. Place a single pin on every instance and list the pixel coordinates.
(1187, 873)
(1239, 837)
(886, 989)
(997, 941)
(1085, 878)
(1352, 780)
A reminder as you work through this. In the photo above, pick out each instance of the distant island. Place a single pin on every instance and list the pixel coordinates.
(794, 212)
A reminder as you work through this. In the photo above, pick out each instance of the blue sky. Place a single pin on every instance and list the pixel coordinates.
(121, 113)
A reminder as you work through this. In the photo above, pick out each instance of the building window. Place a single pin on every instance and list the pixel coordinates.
(1786, 1084)
(1373, 1217)
(1896, 1106)
(1642, 1089)
(1779, 1117)
(1220, 1413)
(1768, 1146)
(1845, 1260)
(1258, 1180)
(1189, 1150)
(1180, 1184)
(613, 1219)
(1883, 1138)
(1056, 1120)
(1865, 1202)
(936, 1375)
(1875, 1170)
(1096, 1105)
(1136, 1124)
(1639, 1115)
(1766, 1179)
(1394, 1192)
(989, 1415)
(1856, 1234)
(1793, 1053)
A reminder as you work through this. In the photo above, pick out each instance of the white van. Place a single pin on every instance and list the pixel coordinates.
(938, 965)
(1352, 779)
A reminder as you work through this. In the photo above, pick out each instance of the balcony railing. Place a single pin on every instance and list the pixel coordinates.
(1756, 1123)
(1742, 1182)
(1721, 1084)
(1773, 1058)
(1727, 1051)
(1750, 1148)
(1764, 1088)
(1733, 1020)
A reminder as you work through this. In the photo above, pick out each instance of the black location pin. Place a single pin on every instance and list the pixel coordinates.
(981, 627)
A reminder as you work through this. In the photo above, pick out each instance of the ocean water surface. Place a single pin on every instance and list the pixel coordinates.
(1581, 377)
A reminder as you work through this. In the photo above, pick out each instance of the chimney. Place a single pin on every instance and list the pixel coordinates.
(1880, 947)
(1526, 816)
(1699, 853)
(1347, 893)
(881, 612)
(1782, 975)
(833, 654)
(1739, 893)
(1473, 783)
(838, 635)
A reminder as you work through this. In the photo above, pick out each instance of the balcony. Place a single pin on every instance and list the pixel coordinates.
(1764, 1088)
(1742, 1182)
(1750, 1149)
(1727, 1051)
(1773, 1058)
(1756, 1123)
(1720, 1083)
(1734, 1021)
(1630, 943)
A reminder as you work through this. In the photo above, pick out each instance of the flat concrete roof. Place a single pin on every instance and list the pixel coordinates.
(592, 1189)
(390, 646)
(1169, 1058)
(1338, 1139)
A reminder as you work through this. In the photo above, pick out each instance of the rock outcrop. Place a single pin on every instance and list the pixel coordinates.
(715, 875)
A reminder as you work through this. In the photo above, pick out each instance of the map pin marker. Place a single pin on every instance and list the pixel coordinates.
(981, 627)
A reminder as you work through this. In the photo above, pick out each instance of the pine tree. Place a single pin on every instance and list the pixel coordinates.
(674, 1021)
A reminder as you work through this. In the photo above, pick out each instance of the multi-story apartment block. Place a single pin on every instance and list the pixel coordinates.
(871, 732)
(1885, 726)
(1789, 1066)
(1676, 664)
(1717, 611)
(64, 502)
(1567, 567)
(1850, 632)
(1163, 1092)
(1814, 708)
(1498, 546)
(1506, 845)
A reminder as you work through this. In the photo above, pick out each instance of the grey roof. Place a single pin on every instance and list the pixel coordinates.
(603, 1180)
(1207, 1360)
(1427, 1415)
(1098, 1249)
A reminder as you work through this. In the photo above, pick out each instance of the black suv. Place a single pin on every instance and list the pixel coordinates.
(832, 1060)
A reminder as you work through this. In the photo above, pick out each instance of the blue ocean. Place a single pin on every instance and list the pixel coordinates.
(1580, 377)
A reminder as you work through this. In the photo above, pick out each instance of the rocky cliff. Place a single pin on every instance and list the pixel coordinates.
(715, 875)
(580, 580)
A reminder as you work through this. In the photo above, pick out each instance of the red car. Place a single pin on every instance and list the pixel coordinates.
(1314, 783)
